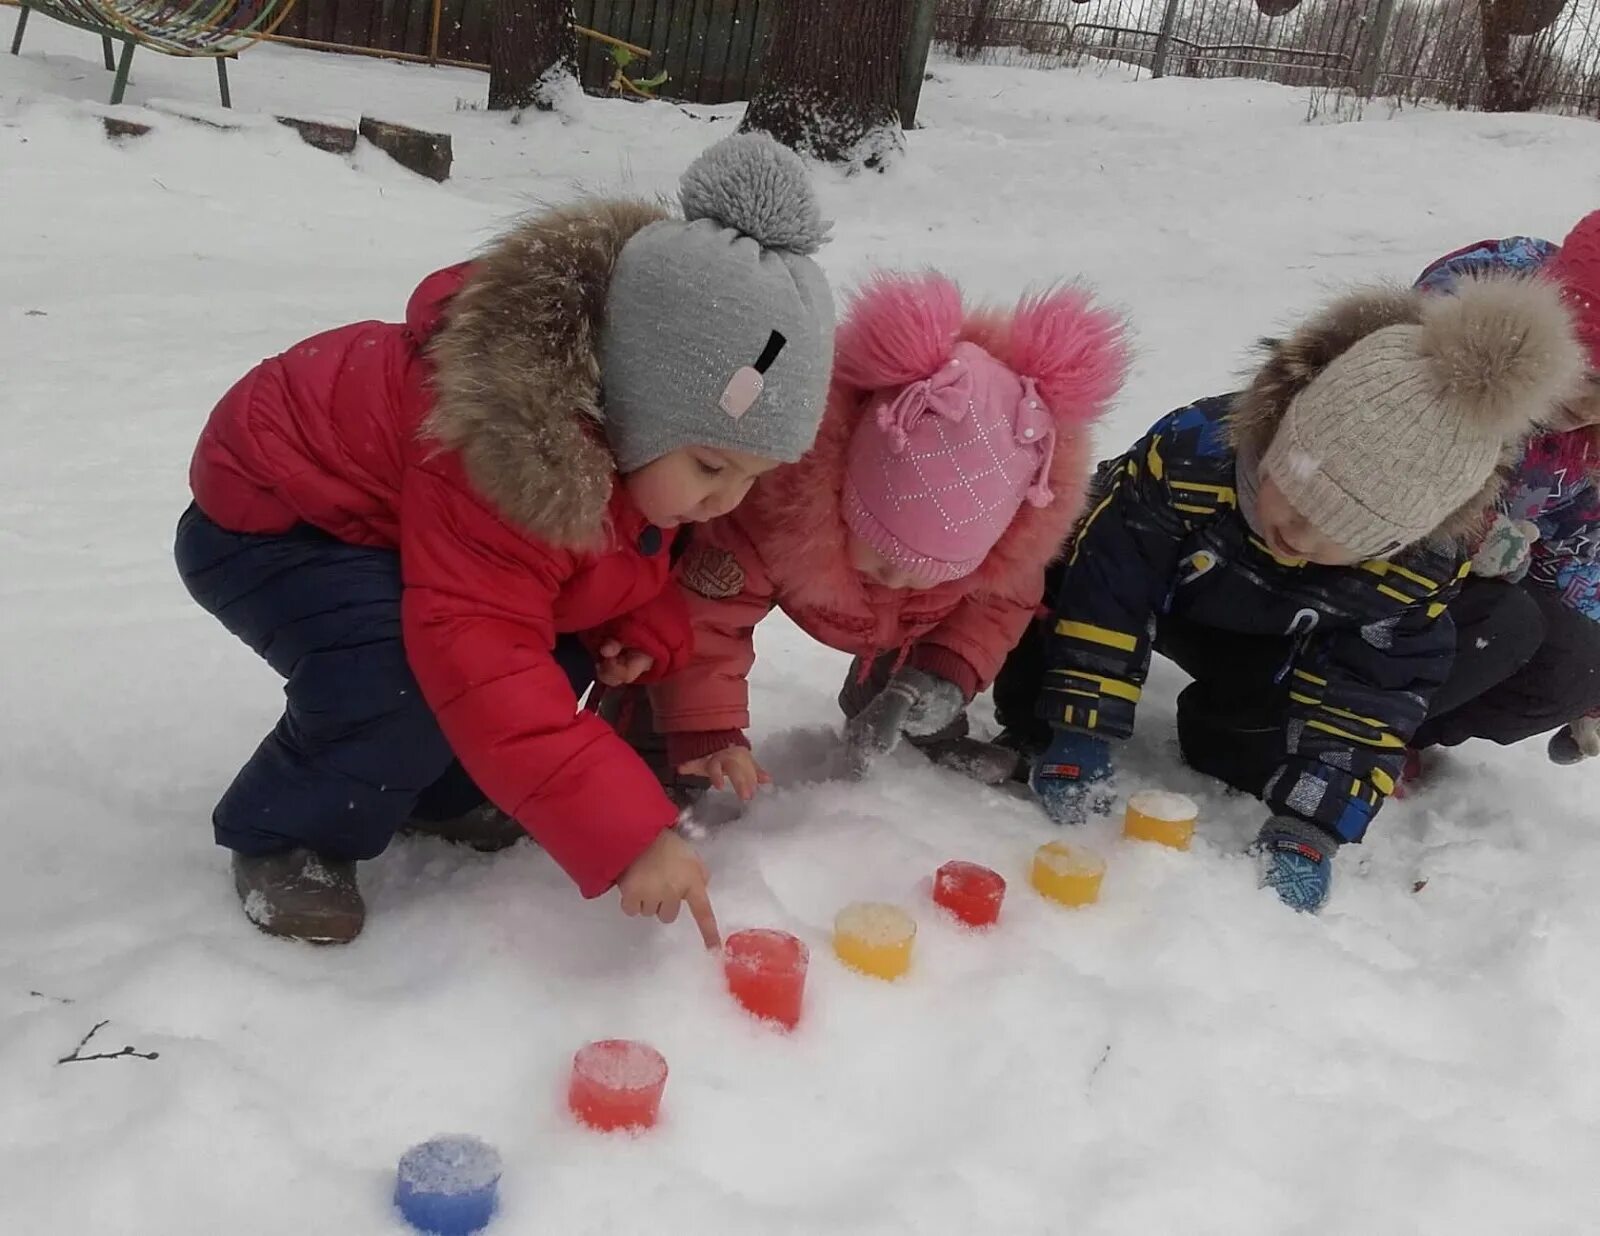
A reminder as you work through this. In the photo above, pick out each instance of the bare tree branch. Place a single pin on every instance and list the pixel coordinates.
(75, 1058)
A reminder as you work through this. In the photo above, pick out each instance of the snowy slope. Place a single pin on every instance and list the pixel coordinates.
(1186, 1057)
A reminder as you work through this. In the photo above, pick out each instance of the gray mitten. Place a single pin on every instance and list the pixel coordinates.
(912, 702)
(938, 702)
(1576, 741)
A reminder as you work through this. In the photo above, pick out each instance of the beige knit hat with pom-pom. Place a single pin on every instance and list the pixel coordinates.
(1407, 424)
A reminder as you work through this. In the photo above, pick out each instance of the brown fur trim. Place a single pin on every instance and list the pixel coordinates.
(517, 369)
(1291, 363)
(1585, 407)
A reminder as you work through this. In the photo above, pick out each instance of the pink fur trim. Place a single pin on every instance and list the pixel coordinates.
(1075, 351)
(898, 328)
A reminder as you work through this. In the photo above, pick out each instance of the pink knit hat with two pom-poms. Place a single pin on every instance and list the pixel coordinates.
(954, 440)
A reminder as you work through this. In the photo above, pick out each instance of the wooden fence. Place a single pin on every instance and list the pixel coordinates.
(709, 49)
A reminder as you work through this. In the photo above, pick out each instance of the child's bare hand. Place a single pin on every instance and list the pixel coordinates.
(665, 876)
(731, 766)
(617, 666)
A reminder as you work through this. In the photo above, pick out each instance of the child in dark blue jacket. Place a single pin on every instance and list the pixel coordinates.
(1293, 547)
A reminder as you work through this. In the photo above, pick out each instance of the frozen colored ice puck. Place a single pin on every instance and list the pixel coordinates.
(448, 1185)
(875, 939)
(970, 892)
(1068, 874)
(1162, 817)
(766, 972)
(617, 1084)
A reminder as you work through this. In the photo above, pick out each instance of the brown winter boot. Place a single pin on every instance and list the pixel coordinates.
(987, 763)
(300, 895)
(485, 828)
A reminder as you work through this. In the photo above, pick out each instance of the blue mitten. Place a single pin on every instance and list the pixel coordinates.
(1069, 777)
(1295, 862)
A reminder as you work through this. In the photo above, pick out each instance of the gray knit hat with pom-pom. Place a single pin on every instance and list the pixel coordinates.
(719, 326)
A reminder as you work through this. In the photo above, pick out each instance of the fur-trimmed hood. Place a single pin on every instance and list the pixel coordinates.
(806, 542)
(517, 372)
(1505, 352)
(1079, 354)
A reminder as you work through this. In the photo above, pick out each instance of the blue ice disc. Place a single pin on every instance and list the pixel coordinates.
(449, 1185)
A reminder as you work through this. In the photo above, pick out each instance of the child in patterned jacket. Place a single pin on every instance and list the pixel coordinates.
(1528, 659)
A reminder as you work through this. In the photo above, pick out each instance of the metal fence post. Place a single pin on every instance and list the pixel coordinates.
(1373, 63)
(1158, 66)
(914, 59)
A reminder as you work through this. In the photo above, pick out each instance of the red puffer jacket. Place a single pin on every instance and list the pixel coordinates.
(469, 439)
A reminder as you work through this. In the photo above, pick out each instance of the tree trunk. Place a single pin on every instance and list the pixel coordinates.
(830, 79)
(1528, 17)
(975, 35)
(532, 49)
(1501, 92)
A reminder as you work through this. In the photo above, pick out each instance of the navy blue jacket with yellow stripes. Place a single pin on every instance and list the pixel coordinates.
(1368, 643)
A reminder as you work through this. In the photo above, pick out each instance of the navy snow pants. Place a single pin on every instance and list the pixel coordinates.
(357, 751)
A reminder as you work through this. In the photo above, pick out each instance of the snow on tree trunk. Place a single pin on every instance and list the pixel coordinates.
(830, 79)
(533, 53)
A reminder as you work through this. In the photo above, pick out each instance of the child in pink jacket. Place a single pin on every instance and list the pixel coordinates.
(952, 459)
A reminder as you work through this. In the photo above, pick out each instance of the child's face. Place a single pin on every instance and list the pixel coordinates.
(693, 484)
(879, 569)
(1290, 535)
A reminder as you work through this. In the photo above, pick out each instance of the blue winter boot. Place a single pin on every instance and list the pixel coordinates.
(1295, 862)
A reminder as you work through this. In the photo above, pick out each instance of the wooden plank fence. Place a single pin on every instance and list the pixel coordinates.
(710, 49)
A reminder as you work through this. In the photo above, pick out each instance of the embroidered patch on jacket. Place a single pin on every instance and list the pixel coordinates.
(712, 572)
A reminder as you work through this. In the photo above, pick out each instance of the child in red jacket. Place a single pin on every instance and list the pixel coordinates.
(953, 456)
(439, 532)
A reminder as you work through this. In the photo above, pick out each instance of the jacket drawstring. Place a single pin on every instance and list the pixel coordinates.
(625, 707)
(1300, 636)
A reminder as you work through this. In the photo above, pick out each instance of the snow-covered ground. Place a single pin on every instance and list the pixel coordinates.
(1186, 1057)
